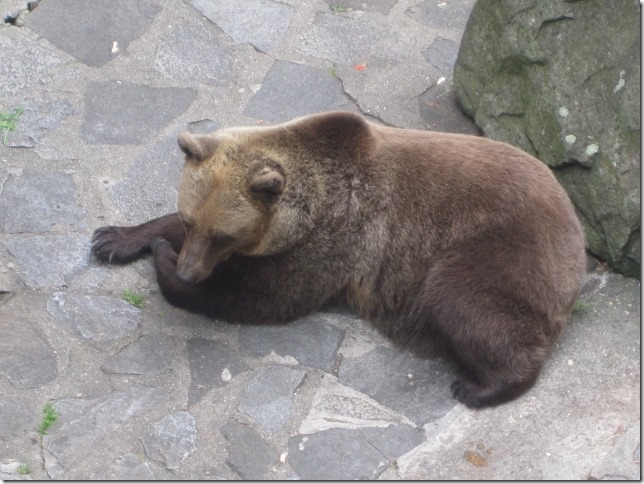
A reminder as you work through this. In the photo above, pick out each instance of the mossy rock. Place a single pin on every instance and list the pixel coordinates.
(561, 80)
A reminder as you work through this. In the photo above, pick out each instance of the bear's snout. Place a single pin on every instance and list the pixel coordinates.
(187, 277)
(188, 270)
(195, 261)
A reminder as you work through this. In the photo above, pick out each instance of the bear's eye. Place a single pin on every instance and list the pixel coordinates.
(220, 239)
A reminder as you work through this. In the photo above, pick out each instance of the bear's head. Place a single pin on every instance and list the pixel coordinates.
(255, 191)
(224, 200)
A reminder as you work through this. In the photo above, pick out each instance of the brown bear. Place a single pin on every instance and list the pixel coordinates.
(447, 243)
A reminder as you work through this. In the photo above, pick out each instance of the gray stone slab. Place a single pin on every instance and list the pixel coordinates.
(11, 471)
(268, 396)
(442, 55)
(11, 9)
(402, 83)
(151, 354)
(36, 201)
(26, 360)
(310, 340)
(38, 117)
(353, 40)
(32, 70)
(84, 422)
(44, 267)
(149, 189)
(193, 53)
(118, 112)
(203, 126)
(335, 454)
(9, 280)
(440, 110)
(394, 440)
(442, 15)
(94, 318)
(413, 387)
(260, 23)
(623, 461)
(17, 418)
(172, 439)
(87, 30)
(212, 365)
(4, 176)
(248, 454)
(380, 6)
(339, 406)
(126, 468)
(563, 428)
(290, 90)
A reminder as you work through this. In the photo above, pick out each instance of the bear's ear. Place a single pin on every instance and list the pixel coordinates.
(339, 130)
(266, 179)
(197, 147)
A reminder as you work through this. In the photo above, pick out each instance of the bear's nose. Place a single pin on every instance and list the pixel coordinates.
(186, 277)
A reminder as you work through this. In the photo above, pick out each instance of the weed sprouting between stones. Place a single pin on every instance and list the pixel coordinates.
(580, 307)
(8, 121)
(50, 415)
(132, 298)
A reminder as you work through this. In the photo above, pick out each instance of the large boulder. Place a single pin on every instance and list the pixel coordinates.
(561, 80)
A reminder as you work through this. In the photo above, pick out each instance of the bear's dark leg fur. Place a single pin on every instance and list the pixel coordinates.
(120, 245)
(490, 317)
(227, 294)
(191, 297)
(235, 291)
(497, 364)
(491, 377)
(468, 390)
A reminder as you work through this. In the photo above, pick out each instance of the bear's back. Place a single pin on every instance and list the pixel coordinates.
(461, 184)
(498, 210)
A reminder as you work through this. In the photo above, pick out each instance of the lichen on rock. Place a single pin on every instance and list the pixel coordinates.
(561, 80)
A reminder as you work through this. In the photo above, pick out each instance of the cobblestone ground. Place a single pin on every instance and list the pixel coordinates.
(154, 392)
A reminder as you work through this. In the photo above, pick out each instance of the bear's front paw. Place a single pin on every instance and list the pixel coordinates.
(164, 256)
(118, 245)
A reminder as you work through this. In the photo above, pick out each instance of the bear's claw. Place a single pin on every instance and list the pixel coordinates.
(117, 245)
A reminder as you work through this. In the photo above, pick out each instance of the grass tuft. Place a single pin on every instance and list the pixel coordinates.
(132, 298)
(24, 469)
(8, 122)
(50, 415)
(580, 307)
(338, 9)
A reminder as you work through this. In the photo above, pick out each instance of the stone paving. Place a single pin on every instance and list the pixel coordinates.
(154, 392)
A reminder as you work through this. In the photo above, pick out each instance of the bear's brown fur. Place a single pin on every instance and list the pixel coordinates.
(445, 242)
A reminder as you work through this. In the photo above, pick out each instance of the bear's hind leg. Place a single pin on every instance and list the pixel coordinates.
(499, 341)
(120, 245)
(497, 322)
(489, 383)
